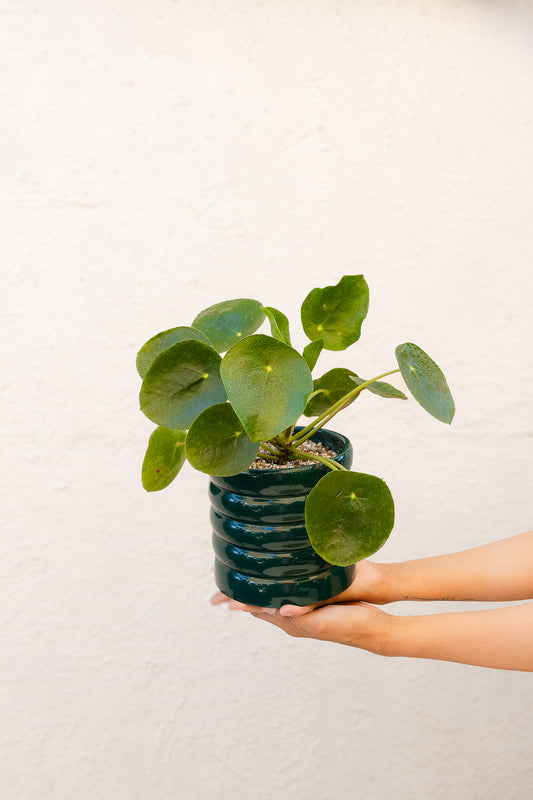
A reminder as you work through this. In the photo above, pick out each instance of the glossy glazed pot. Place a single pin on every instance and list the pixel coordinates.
(263, 555)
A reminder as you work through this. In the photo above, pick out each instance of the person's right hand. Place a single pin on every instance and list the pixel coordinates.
(370, 584)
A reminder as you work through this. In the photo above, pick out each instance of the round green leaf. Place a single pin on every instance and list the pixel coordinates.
(348, 516)
(226, 323)
(279, 324)
(161, 341)
(217, 443)
(425, 381)
(312, 351)
(164, 458)
(330, 388)
(182, 381)
(335, 314)
(267, 384)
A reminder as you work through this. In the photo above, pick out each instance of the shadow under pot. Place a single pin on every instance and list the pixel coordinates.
(263, 555)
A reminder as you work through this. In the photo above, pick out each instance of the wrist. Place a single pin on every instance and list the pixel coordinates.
(391, 589)
(385, 635)
(401, 638)
(398, 637)
(414, 580)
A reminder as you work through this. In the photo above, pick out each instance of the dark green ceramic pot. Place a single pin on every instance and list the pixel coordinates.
(263, 555)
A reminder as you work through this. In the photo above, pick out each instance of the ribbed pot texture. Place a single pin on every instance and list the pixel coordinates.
(263, 555)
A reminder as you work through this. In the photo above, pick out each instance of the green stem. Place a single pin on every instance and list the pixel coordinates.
(267, 445)
(328, 415)
(269, 456)
(275, 453)
(315, 457)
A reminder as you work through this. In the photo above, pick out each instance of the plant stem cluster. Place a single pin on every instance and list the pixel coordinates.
(284, 447)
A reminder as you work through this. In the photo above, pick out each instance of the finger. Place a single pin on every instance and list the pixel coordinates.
(218, 597)
(234, 605)
(296, 611)
(290, 625)
(289, 610)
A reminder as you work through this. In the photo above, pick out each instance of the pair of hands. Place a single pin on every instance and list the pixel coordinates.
(501, 638)
(346, 619)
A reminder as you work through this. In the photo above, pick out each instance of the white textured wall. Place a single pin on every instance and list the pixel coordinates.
(161, 156)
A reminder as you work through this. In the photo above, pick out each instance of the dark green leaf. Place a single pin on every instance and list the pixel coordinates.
(279, 324)
(335, 314)
(182, 381)
(267, 384)
(226, 323)
(312, 351)
(161, 341)
(331, 387)
(311, 397)
(425, 381)
(217, 443)
(348, 516)
(338, 382)
(164, 458)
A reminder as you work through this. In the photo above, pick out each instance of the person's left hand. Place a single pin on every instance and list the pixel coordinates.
(356, 624)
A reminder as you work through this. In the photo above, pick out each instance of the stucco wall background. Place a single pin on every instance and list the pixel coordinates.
(161, 156)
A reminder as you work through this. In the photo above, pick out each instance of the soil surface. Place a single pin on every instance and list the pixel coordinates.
(306, 447)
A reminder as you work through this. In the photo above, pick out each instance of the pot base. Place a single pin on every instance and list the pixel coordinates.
(274, 593)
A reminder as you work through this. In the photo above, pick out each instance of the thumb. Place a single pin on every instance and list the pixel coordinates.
(296, 611)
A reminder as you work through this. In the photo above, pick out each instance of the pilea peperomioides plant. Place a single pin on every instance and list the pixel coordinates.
(217, 412)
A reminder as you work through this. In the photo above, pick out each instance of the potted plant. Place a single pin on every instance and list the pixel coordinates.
(290, 520)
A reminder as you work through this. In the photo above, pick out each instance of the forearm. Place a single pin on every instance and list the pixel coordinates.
(500, 638)
(499, 571)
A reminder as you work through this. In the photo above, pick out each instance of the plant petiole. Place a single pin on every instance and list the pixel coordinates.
(315, 457)
(275, 453)
(326, 416)
(269, 456)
